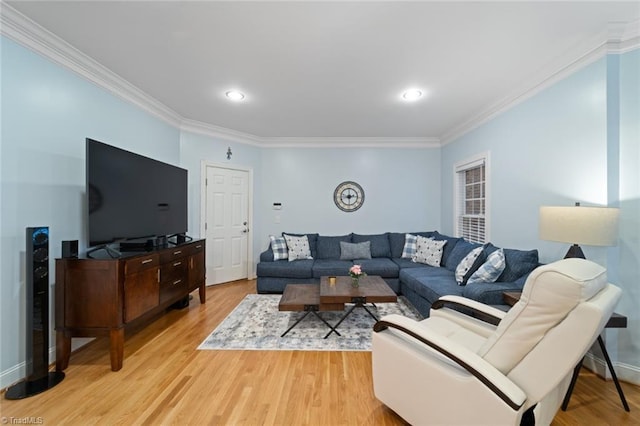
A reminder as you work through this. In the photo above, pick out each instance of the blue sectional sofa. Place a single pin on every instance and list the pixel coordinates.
(419, 283)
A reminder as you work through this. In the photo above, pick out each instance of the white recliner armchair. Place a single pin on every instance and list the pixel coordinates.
(457, 368)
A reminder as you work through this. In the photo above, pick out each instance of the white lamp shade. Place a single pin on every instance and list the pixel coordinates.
(593, 226)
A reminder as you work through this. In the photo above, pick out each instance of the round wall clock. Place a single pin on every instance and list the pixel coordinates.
(348, 196)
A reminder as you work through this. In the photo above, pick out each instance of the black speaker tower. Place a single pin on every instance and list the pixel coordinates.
(39, 379)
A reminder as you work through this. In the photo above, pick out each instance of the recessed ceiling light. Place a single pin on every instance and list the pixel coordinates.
(234, 95)
(412, 95)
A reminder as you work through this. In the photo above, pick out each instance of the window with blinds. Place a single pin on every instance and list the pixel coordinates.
(471, 200)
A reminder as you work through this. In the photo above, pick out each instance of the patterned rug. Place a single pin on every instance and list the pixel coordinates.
(256, 324)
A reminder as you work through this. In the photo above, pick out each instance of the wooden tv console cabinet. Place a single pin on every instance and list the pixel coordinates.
(101, 297)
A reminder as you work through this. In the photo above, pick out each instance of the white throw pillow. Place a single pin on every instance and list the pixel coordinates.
(490, 270)
(465, 264)
(298, 247)
(428, 251)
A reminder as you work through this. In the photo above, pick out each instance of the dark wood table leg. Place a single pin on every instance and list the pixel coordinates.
(116, 348)
(63, 350)
(202, 292)
(576, 370)
(613, 374)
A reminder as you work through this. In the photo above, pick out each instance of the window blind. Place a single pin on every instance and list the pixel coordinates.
(471, 201)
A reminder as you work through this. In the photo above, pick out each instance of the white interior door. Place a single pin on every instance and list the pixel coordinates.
(227, 224)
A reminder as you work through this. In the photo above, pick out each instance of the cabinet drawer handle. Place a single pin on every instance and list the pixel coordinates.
(199, 246)
(147, 261)
(177, 264)
(177, 252)
(177, 282)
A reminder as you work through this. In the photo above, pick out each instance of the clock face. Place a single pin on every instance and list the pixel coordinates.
(348, 196)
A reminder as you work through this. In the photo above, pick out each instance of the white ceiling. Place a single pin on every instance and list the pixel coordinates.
(335, 69)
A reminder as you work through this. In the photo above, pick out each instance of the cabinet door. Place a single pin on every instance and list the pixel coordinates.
(141, 292)
(197, 262)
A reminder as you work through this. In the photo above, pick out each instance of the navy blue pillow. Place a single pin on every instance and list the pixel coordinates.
(519, 263)
(396, 243)
(329, 247)
(461, 249)
(380, 246)
(448, 248)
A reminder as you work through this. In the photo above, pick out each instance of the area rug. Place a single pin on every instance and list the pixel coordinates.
(256, 324)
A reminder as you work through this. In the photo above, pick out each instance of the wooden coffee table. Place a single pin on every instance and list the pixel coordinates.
(306, 298)
(372, 289)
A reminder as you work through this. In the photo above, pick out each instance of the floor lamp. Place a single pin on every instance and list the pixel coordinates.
(591, 226)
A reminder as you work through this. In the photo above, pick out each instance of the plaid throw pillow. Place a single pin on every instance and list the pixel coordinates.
(279, 248)
(410, 243)
(490, 270)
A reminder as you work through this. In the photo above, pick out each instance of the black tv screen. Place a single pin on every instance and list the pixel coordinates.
(131, 196)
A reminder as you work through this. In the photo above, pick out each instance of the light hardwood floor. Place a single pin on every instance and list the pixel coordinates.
(165, 380)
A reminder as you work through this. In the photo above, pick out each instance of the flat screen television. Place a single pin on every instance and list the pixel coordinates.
(132, 197)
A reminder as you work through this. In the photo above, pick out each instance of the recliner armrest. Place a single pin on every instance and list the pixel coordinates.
(487, 374)
(486, 313)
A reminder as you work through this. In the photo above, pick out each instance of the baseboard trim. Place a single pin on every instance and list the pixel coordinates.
(625, 372)
(18, 372)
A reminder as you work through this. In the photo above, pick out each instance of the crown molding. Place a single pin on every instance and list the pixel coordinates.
(217, 132)
(619, 38)
(29, 34)
(351, 142)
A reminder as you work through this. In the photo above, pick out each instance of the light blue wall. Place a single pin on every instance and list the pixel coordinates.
(577, 140)
(549, 150)
(629, 242)
(47, 112)
(196, 149)
(402, 190)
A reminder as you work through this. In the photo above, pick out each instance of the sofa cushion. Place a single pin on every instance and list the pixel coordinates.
(396, 243)
(490, 270)
(460, 250)
(430, 283)
(328, 267)
(352, 251)
(381, 266)
(279, 248)
(298, 247)
(379, 244)
(329, 247)
(286, 269)
(518, 263)
(428, 251)
(491, 293)
(468, 265)
(313, 241)
(408, 263)
(448, 248)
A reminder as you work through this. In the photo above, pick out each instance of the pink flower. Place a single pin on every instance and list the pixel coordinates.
(356, 271)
